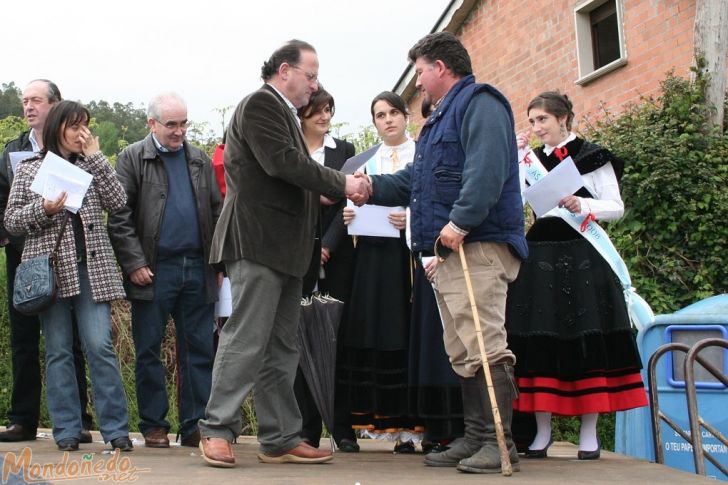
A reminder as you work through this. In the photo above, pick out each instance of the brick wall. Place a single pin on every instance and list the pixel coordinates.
(524, 47)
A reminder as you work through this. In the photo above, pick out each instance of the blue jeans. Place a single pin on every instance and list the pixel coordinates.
(94, 330)
(180, 291)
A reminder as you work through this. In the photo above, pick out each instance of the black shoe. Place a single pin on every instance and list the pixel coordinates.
(433, 447)
(538, 453)
(17, 432)
(86, 436)
(408, 447)
(68, 444)
(348, 446)
(311, 443)
(192, 440)
(123, 444)
(590, 455)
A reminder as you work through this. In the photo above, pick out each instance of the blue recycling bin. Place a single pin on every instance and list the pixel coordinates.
(633, 434)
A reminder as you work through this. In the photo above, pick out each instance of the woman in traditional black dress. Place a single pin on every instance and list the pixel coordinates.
(373, 366)
(566, 316)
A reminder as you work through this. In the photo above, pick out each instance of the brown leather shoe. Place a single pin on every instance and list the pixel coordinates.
(17, 432)
(156, 438)
(86, 437)
(192, 439)
(217, 452)
(303, 453)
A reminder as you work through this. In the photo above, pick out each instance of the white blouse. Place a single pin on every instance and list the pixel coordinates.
(606, 204)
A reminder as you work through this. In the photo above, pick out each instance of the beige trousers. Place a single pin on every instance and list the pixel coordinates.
(492, 266)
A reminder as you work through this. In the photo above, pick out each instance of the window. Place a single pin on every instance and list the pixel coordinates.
(599, 38)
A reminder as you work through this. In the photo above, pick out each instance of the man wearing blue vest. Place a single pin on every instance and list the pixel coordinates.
(463, 187)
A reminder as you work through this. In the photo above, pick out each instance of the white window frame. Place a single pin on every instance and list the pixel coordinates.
(584, 52)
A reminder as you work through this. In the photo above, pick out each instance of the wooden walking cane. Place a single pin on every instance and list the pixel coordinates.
(506, 468)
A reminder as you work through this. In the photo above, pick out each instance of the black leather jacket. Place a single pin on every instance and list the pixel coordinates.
(135, 229)
(20, 144)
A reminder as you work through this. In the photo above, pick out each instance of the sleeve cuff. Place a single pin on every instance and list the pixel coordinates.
(457, 229)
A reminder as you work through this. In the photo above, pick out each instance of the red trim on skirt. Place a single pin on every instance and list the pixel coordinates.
(583, 396)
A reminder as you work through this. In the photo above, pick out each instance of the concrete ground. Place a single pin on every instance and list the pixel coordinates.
(375, 464)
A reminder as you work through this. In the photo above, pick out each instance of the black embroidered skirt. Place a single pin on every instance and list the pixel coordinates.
(372, 373)
(567, 324)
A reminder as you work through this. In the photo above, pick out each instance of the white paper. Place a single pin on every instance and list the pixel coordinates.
(224, 305)
(372, 220)
(17, 157)
(56, 175)
(562, 180)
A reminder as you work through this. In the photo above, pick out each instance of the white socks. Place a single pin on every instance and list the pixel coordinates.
(543, 432)
(588, 432)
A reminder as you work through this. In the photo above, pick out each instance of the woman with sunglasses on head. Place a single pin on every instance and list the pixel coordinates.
(566, 316)
(88, 277)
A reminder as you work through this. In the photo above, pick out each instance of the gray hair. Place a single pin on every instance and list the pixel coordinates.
(160, 100)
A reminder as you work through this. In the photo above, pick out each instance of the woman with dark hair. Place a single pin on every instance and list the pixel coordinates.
(331, 264)
(88, 277)
(374, 366)
(566, 315)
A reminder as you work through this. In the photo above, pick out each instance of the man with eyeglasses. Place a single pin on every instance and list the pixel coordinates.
(39, 96)
(162, 241)
(265, 237)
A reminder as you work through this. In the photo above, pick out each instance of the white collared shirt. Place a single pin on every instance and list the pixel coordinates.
(547, 149)
(319, 153)
(163, 148)
(607, 204)
(33, 141)
(288, 102)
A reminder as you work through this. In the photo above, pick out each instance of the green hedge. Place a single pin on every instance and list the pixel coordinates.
(672, 236)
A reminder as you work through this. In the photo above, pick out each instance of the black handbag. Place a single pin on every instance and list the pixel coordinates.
(36, 284)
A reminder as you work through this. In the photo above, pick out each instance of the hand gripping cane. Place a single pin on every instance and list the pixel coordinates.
(506, 468)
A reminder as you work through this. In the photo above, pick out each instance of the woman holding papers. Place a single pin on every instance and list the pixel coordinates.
(88, 276)
(374, 365)
(566, 316)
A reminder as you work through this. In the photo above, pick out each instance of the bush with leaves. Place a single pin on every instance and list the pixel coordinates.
(672, 236)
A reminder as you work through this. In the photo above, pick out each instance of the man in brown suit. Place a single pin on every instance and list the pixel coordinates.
(264, 236)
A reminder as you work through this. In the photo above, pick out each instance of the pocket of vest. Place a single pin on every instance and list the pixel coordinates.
(447, 185)
(446, 148)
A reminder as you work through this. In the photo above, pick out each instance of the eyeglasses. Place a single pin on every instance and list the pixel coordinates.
(173, 125)
(309, 75)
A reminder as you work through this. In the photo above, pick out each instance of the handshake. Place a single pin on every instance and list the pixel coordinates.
(358, 188)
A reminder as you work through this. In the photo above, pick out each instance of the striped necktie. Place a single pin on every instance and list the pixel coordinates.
(395, 160)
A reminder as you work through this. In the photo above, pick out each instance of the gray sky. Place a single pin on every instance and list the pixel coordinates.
(209, 51)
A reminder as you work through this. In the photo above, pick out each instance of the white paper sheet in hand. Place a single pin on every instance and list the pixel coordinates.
(17, 157)
(224, 305)
(562, 180)
(372, 220)
(56, 175)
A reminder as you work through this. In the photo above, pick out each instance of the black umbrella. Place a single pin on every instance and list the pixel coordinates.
(318, 328)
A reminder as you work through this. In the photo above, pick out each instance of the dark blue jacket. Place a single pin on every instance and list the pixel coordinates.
(465, 171)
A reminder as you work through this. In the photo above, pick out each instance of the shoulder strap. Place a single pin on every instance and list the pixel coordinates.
(60, 234)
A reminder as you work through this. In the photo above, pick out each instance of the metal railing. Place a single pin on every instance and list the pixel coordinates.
(696, 422)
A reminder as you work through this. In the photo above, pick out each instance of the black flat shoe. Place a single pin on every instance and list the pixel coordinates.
(590, 455)
(542, 453)
(122, 444)
(348, 446)
(68, 444)
(434, 447)
(407, 447)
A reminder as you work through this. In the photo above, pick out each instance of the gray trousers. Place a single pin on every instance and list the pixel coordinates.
(257, 349)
